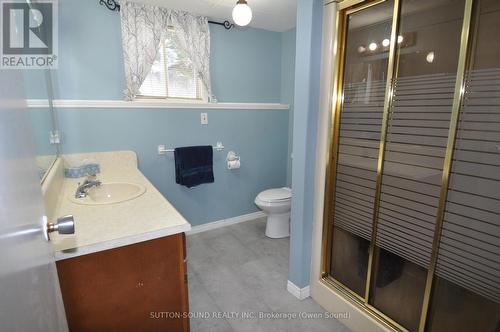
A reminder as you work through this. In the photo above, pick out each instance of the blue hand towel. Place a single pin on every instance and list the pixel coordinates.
(194, 165)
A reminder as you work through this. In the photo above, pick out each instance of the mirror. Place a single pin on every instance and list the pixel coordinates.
(39, 94)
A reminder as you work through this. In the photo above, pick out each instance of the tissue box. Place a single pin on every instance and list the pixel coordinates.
(81, 171)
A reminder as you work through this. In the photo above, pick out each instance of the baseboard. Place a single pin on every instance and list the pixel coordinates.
(225, 222)
(300, 293)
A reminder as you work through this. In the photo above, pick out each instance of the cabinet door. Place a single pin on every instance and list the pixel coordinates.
(139, 287)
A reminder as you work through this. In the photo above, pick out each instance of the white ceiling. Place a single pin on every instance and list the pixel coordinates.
(274, 15)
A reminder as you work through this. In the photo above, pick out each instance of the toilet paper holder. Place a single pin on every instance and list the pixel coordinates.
(231, 158)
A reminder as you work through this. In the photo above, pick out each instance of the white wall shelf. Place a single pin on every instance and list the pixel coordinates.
(73, 103)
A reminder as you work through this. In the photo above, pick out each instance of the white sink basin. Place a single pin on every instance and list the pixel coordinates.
(110, 193)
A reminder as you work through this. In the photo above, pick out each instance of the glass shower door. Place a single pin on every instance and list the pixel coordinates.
(415, 146)
(466, 294)
(412, 218)
(360, 123)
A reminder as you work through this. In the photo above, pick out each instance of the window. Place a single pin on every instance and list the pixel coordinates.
(172, 74)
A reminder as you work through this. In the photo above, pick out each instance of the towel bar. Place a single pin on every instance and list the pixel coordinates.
(163, 150)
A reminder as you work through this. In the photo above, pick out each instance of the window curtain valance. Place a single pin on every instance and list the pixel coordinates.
(144, 27)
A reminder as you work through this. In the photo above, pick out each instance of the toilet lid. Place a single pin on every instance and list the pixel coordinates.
(277, 194)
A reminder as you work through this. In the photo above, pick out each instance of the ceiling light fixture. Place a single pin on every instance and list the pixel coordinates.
(242, 13)
(386, 42)
(400, 39)
(372, 46)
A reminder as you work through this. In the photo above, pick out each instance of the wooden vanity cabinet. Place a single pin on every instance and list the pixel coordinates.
(139, 287)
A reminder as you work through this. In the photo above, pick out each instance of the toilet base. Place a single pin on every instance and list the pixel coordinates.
(278, 225)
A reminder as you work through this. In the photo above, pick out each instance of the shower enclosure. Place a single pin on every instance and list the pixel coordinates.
(412, 203)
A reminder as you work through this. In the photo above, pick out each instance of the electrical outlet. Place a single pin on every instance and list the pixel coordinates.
(204, 118)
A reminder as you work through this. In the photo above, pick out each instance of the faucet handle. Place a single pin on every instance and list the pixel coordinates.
(93, 178)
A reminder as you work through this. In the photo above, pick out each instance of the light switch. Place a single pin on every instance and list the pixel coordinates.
(204, 118)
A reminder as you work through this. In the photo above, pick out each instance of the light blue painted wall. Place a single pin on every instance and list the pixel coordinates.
(35, 84)
(245, 67)
(40, 119)
(245, 64)
(90, 54)
(258, 136)
(306, 109)
(287, 88)
(41, 122)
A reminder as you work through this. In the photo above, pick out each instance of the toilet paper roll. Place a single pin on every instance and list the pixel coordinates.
(233, 164)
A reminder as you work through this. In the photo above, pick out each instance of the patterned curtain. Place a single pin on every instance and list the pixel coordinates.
(145, 26)
(194, 37)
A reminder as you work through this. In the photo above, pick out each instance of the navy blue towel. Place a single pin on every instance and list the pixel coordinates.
(194, 165)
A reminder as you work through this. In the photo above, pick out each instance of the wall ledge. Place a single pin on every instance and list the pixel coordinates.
(74, 103)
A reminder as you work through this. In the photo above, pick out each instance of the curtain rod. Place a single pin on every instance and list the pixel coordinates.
(226, 24)
(115, 6)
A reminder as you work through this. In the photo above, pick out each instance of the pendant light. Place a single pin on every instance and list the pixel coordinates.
(242, 13)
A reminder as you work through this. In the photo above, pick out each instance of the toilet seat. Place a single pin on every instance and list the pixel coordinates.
(275, 195)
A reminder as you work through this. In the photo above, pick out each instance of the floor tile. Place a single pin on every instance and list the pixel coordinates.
(235, 270)
(203, 305)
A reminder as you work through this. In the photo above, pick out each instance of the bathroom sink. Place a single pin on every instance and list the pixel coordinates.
(110, 193)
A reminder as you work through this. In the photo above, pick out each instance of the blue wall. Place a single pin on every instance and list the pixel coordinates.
(41, 125)
(287, 88)
(306, 109)
(259, 136)
(246, 66)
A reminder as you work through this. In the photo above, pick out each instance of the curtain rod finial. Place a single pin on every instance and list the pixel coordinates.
(226, 24)
(111, 4)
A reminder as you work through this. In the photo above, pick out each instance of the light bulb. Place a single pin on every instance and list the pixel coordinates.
(361, 49)
(242, 13)
(372, 46)
(400, 39)
(385, 42)
(430, 57)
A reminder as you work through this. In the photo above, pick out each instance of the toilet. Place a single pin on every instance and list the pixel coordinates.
(276, 203)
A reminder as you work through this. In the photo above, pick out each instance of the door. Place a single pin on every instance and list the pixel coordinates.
(411, 219)
(30, 298)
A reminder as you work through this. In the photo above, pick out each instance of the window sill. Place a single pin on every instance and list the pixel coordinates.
(153, 103)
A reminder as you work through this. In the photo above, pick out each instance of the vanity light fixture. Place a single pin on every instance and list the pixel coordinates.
(373, 47)
(242, 13)
(430, 57)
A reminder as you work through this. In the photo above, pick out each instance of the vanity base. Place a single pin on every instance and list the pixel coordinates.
(139, 287)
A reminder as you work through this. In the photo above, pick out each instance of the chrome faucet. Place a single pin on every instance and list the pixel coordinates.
(83, 189)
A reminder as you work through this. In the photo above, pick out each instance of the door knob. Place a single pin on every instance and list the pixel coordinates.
(63, 225)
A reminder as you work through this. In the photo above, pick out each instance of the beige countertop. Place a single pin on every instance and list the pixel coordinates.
(102, 227)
